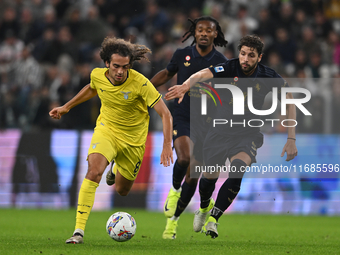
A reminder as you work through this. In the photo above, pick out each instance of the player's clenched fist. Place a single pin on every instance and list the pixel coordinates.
(57, 112)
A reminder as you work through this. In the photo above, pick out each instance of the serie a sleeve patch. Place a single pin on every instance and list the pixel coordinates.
(218, 69)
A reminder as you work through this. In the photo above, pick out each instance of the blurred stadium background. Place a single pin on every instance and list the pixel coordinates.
(49, 47)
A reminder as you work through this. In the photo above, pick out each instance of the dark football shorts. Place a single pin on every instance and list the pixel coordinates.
(217, 148)
(196, 132)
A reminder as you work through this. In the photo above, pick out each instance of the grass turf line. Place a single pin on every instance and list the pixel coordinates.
(45, 231)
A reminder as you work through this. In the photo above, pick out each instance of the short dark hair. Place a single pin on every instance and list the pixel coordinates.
(218, 41)
(251, 41)
(113, 45)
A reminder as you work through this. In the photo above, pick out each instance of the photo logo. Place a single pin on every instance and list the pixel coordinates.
(239, 104)
(207, 90)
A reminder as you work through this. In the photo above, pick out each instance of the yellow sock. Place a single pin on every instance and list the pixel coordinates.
(85, 202)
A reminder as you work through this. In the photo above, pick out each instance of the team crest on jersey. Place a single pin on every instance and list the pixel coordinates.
(175, 132)
(219, 69)
(187, 58)
(186, 64)
(126, 94)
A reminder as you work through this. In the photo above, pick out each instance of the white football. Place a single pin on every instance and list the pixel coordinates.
(121, 226)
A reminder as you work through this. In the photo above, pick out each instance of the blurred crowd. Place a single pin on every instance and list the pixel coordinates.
(49, 47)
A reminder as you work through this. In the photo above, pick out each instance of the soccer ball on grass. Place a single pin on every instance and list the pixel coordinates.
(121, 226)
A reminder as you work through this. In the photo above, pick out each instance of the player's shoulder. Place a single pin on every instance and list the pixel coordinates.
(186, 50)
(97, 72)
(233, 61)
(138, 79)
(136, 76)
(218, 54)
(231, 64)
(267, 72)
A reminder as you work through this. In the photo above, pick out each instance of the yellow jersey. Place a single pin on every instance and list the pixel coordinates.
(124, 107)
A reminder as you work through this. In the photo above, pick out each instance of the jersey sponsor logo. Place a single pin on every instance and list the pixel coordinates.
(174, 132)
(187, 58)
(94, 145)
(145, 84)
(218, 69)
(235, 79)
(84, 205)
(186, 64)
(126, 94)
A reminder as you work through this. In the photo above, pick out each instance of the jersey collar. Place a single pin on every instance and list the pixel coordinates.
(207, 57)
(127, 77)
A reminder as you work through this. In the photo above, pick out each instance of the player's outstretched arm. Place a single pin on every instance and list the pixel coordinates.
(161, 77)
(83, 95)
(163, 111)
(178, 91)
(290, 146)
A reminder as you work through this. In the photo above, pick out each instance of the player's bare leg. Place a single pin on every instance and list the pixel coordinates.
(110, 176)
(123, 185)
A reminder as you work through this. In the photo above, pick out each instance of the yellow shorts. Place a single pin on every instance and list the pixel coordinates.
(128, 159)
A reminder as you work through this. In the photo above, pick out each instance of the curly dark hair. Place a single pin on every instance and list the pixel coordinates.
(251, 41)
(218, 41)
(113, 45)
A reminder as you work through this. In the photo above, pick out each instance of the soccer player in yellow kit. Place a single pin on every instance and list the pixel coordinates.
(122, 126)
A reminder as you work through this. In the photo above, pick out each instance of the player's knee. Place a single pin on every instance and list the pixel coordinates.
(237, 169)
(183, 160)
(94, 174)
(122, 191)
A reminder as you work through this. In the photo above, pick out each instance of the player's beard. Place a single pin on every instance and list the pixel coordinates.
(203, 47)
(250, 69)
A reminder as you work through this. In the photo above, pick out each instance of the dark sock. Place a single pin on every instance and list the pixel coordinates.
(178, 175)
(206, 188)
(229, 189)
(187, 193)
(216, 213)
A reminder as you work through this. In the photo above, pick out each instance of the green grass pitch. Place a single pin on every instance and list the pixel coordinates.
(45, 231)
